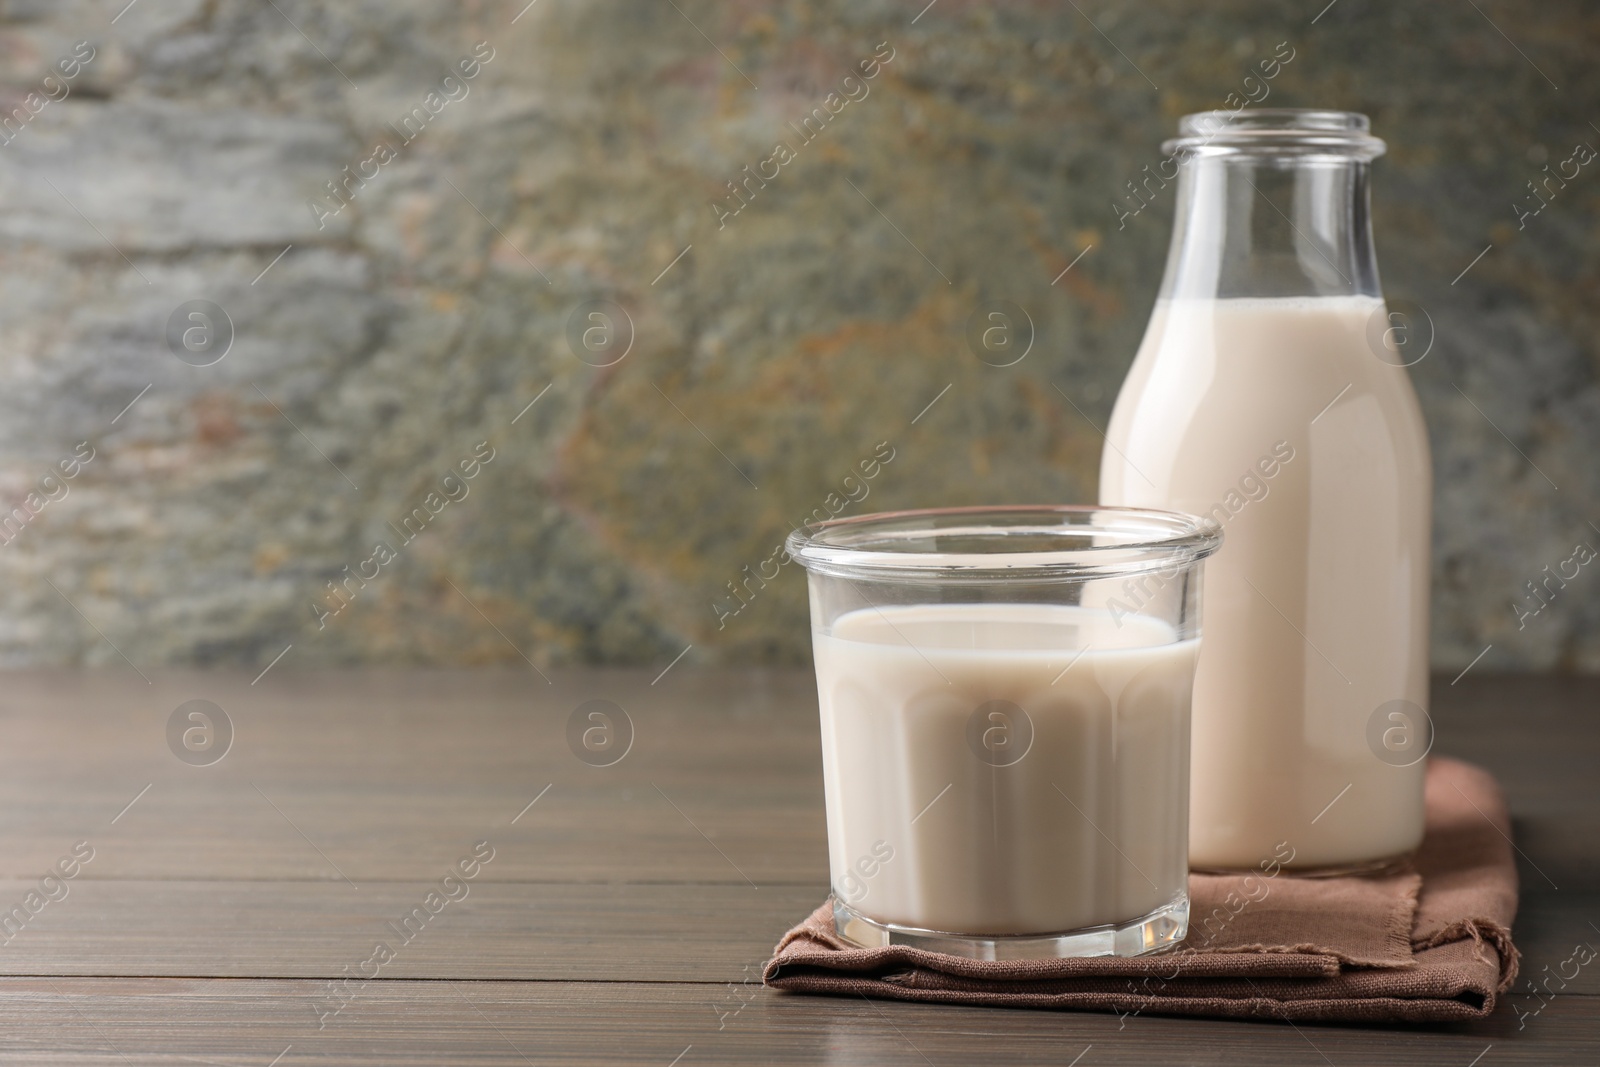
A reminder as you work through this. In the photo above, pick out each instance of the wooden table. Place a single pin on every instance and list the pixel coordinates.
(627, 909)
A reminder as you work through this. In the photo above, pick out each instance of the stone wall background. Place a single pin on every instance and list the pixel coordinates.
(421, 319)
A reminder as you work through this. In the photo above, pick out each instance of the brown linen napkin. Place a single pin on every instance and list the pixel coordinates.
(1430, 943)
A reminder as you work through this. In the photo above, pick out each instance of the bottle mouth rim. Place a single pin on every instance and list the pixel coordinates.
(1276, 131)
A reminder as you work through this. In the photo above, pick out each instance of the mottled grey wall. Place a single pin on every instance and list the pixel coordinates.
(394, 336)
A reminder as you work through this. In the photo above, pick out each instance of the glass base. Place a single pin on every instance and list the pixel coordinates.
(1161, 929)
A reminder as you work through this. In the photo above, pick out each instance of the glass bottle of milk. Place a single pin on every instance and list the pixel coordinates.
(1270, 394)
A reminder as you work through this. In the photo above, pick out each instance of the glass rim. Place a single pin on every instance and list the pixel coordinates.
(883, 546)
(1276, 131)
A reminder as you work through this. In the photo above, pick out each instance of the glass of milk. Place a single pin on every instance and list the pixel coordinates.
(1005, 702)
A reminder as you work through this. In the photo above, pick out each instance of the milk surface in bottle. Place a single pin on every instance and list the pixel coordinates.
(1270, 394)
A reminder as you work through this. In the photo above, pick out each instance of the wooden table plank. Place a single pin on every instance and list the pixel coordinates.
(150, 1021)
(391, 781)
(604, 932)
(579, 831)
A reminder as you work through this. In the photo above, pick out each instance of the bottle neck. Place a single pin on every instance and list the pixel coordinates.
(1265, 226)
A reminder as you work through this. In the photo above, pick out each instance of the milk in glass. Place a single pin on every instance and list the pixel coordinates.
(1004, 769)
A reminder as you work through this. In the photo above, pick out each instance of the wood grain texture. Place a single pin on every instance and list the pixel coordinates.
(534, 931)
(148, 1021)
(604, 932)
(625, 914)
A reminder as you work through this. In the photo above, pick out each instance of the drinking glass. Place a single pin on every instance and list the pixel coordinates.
(1005, 725)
